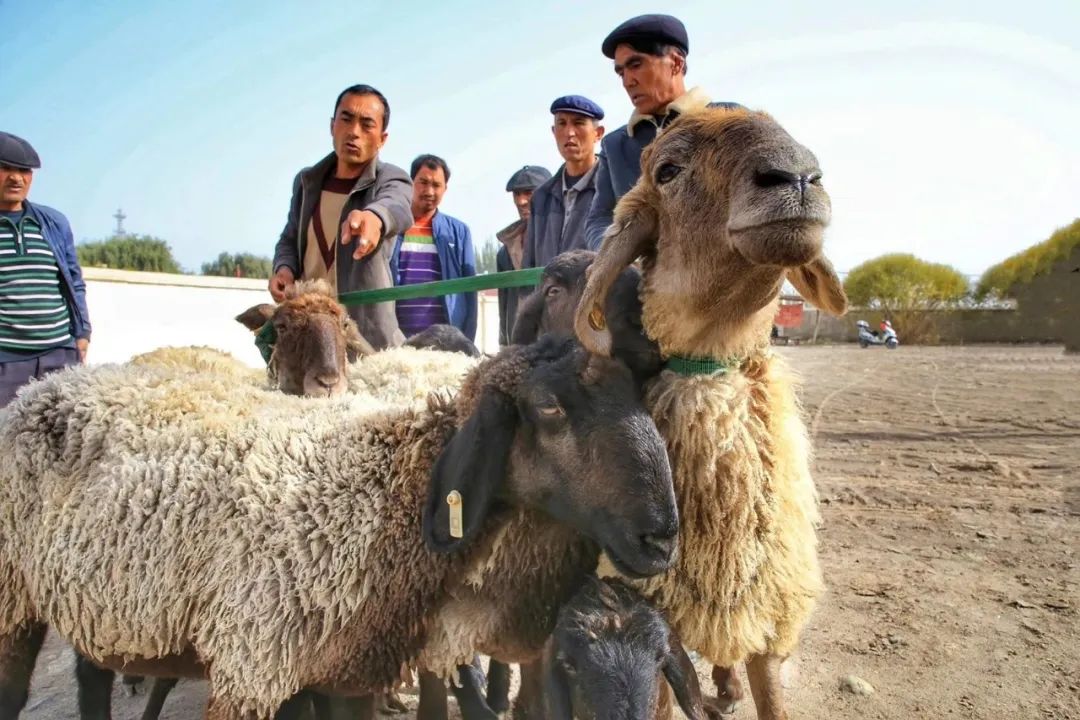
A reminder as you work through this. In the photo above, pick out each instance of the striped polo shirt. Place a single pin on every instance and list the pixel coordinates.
(418, 262)
(34, 315)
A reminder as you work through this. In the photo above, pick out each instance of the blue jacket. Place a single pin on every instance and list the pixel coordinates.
(57, 232)
(457, 258)
(620, 168)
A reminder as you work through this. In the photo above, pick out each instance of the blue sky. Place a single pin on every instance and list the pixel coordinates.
(948, 129)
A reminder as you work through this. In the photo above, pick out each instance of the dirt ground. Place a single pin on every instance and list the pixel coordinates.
(951, 541)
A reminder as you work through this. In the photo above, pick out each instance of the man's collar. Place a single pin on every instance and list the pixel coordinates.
(584, 182)
(328, 164)
(511, 231)
(693, 99)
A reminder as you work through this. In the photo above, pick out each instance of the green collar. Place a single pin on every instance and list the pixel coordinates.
(701, 366)
(265, 339)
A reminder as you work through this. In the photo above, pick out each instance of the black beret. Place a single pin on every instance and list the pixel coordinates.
(529, 177)
(577, 104)
(16, 152)
(662, 28)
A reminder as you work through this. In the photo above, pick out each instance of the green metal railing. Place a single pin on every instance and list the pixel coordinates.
(491, 281)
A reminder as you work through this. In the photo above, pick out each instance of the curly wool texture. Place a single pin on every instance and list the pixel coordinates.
(406, 374)
(146, 512)
(201, 359)
(747, 576)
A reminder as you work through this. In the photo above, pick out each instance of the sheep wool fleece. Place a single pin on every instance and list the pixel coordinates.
(147, 513)
(747, 576)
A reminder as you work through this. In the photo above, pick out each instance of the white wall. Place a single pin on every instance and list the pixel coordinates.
(134, 312)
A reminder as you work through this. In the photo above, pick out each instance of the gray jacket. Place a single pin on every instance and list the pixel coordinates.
(553, 230)
(620, 160)
(385, 190)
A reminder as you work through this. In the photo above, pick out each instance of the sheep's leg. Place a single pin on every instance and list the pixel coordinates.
(470, 698)
(498, 686)
(158, 692)
(763, 672)
(18, 653)
(131, 683)
(94, 690)
(294, 707)
(529, 704)
(664, 704)
(729, 692)
(432, 697)
(390, 703)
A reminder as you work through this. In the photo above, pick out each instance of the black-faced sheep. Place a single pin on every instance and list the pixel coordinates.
(728, 206)
(608, 654)
(286, 533)
(445, 338)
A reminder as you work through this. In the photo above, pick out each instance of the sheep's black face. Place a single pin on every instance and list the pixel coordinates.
(588, 454)
(550, 310)
(608, 655)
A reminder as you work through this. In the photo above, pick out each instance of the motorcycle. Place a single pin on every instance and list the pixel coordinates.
(886, 337)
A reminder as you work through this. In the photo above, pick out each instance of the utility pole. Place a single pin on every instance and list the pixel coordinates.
(120, 217)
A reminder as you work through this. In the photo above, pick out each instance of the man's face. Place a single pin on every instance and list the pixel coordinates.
(357, 129)
(14, 186)
(521, 202)
(576, 136)
(651, 82)
(428, 189)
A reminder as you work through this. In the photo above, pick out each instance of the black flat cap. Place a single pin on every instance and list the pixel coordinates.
(529, 177)
(16, 152)
(661, 28)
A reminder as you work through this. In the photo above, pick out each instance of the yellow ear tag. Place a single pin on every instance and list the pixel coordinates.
(596, 318)
(456, 523)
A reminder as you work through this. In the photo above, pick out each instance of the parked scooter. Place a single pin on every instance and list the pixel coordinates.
(887, 336)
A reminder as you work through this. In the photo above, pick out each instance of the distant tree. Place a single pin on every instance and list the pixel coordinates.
(239, 265)
(905, 288)
(129, 252)
(1003, 279)
(485, 255)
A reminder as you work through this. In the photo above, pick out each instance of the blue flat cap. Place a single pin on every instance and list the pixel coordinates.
(578, 104)
(529, 177)
(658, 28)
(16, 152)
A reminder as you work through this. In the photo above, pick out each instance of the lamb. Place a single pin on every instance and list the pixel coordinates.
(606, 656)
(270, 520)
(727, 207)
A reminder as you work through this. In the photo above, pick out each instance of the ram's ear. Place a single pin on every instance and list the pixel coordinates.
(557, 696)
(817, 282)
(356, 346)
(681, 676)
(632, 234)
(530, 313)
(474, 465)
(256, 316)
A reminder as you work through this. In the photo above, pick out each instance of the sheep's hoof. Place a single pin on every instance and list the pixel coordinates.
(717, 707)
(391, 704)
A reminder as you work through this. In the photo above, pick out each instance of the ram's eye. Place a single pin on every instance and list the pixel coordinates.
(667, 172)
(551, 411)
(553, 291)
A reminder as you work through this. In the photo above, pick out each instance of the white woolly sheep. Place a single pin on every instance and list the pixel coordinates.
(286, 533)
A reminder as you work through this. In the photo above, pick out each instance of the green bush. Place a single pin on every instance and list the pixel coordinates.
(906, 288)
(239, 265)
(1002, 280)
(129, 252)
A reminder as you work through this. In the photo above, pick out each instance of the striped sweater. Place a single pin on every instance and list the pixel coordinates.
(34, 315)
(419, 263)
